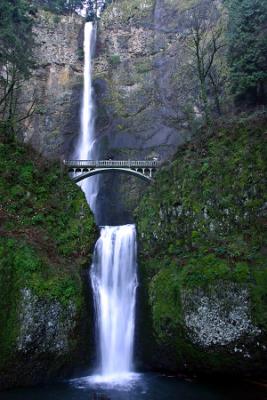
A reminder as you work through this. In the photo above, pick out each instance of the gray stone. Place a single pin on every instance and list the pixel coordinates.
(45, 326)
(218, 316)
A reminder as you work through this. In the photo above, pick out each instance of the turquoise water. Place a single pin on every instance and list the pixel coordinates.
(139, 387)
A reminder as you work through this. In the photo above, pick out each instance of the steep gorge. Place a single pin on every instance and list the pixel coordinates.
(139, 113)
(202, 297)
(144, 91)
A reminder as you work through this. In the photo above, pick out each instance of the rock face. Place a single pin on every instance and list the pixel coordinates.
(56, 84)
(37, 316)
(206, 318)
(147, 92)
(47, 335)
(202, 257)
(136, 62)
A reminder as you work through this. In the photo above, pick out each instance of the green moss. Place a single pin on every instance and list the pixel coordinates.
(143, 66)
(203, 223)
(114, 59)
(22, 267)
(258, 290)
(128, 9)
(203, 270)
(36, 195)
(165, 300)
(47, 235)
(174, 348)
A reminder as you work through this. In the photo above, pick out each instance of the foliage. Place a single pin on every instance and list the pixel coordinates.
(203, 223)
(210, 198)
(37, 197)
(47, 235)
(247, 35)
(205, 42)
(24, 266)
(60, 6)
(114, 59)
(30, 269)
(16, 57)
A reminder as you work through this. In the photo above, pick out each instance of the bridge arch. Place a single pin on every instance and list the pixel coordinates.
(96, 171)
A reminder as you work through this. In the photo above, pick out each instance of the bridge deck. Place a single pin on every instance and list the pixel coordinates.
(82, 169)
(110, 164)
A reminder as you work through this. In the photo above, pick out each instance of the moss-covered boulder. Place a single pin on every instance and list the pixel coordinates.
(47, 237)
(203, 267)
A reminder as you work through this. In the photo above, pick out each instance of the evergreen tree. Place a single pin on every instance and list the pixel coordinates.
(248, 49)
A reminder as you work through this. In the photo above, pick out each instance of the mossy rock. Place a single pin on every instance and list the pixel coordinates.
(47, 239)
(202, 226)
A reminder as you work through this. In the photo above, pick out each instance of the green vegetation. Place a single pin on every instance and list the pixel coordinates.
(114, 59)
(16, 59)
(225, 52)
(205, 44)
(248, 49)
(47, 234)
(38, 196)
(129, 9)
(59, 6)
(203, 225)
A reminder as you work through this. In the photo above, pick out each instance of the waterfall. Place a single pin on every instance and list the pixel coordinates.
(87, 137)
(85, 147)
(113, 273)
(114, 282)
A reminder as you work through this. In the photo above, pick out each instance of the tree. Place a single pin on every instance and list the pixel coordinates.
(204, 39)
(16, 58)
(247, 34)
(60, 6)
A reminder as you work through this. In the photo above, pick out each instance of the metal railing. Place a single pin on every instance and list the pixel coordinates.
(110, 163)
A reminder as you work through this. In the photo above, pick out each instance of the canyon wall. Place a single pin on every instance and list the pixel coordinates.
(143, 92)
(146, 93)
(55, 85)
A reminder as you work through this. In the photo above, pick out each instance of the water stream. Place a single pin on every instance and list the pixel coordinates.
(113, 273)
(114, 282)
(85, 149)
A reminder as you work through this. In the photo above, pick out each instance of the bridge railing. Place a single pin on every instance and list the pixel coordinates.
(110, 163)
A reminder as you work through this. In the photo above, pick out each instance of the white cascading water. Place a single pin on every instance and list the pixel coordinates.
(85, 147)
(114, 282)
(113, 273)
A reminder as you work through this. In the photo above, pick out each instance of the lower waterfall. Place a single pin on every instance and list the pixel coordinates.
(114, 281)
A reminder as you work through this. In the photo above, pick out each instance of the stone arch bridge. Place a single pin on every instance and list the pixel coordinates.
(82, 169)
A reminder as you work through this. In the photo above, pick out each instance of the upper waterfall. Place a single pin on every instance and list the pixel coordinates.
(85, 148)
(87, 116)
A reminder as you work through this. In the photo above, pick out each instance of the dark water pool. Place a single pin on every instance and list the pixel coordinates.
(138, 387)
